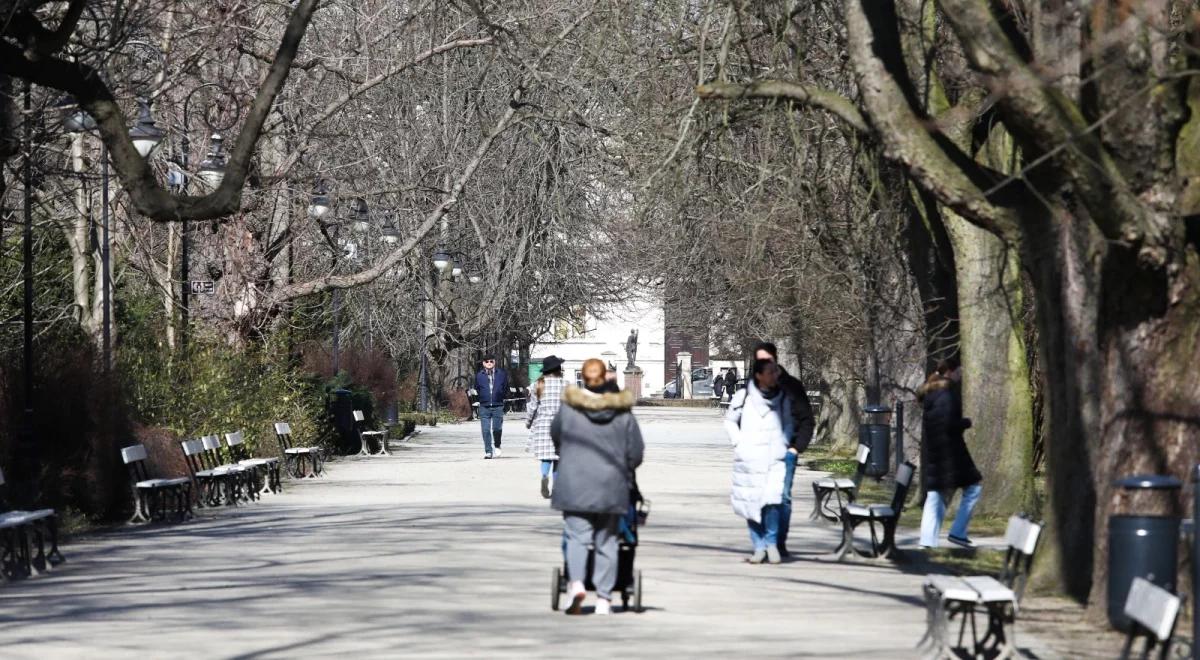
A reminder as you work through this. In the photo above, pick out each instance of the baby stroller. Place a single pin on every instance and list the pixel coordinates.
(629, 582)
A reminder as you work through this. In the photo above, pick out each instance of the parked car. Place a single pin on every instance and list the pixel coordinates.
(702, 378)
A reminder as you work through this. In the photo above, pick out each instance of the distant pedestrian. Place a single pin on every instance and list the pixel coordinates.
(759, 423)
(802, 433)
(731, 382)
(719, 386)
(544, 401)
(600, 445)
(947, 465)
(492, 385)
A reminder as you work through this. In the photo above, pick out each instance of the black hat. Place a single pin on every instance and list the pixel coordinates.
(551, 363)
(488, 356)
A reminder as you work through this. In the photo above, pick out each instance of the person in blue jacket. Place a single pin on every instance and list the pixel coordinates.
(492, 385)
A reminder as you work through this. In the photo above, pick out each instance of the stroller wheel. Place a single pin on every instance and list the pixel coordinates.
(637, 592)
(555, 587)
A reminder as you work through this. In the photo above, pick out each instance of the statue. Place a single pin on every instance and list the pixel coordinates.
(631, 349)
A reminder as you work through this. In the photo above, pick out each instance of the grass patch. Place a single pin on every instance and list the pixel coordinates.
(73, 522)
(960, 561)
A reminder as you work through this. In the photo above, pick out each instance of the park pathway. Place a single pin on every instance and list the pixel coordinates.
(438, 553)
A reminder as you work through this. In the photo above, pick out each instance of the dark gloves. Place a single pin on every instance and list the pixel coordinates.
(966, 423)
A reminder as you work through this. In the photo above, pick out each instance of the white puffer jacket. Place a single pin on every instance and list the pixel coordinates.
(759, 429)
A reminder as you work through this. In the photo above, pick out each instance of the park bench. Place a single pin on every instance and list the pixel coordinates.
(295, 457)
(1152, 612)
(365, 437)
(844, 490)
(150, 494)
(267, 468)
(947, 597)
(242, 481)
(20, 532)
(213, 486)
(883, 542)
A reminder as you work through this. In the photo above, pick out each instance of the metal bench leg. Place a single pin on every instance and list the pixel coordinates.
(9, 555)
(39, 562)
(815, 514)
(140, 514)
(25, 565)
(927, 640)
(187, 501)
(847, 545)
(365, 451)
(55, 557)
(888, 547)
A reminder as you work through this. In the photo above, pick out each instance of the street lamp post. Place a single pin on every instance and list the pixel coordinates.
(75, 120)
(318, 208)
(29, 447)
(443, 262)
(145, 135)
(362, 225)
(211, 172)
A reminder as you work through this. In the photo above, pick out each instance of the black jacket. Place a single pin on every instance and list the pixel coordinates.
(946, 463)
(802, 415)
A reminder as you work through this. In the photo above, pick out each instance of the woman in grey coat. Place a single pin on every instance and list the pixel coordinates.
(599, 446)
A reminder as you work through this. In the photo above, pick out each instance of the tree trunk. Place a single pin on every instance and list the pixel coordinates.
(1119, 343)
(996, 393)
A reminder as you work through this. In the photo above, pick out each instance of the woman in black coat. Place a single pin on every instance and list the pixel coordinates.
(947, 465)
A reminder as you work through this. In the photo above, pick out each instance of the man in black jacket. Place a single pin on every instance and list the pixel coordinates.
(802, 422)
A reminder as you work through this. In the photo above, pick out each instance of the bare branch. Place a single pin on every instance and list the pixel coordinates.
(809, 95)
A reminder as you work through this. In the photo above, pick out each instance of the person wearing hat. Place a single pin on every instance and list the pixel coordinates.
(492, 385)
(544, 401)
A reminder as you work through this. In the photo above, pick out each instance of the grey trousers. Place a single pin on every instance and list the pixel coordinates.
(599, 529)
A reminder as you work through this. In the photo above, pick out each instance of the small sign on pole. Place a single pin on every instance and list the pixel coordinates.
(203, 286)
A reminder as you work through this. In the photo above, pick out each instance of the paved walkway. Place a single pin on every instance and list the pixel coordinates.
(438, 553)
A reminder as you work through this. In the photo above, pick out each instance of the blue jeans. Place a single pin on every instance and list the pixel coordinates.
(765, 533)
(491, 419)
(785, 508)
(549, 466)
(935, 511)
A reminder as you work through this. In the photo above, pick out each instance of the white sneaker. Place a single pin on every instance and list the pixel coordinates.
(577, 593)
(603, 606)
(496, 452)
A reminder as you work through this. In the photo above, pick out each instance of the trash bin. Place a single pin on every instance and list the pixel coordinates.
(341, 407)
(876, 433)
(1142, 545)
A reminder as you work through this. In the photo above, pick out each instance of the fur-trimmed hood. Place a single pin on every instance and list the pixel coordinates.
(599, 407)
(934, 384)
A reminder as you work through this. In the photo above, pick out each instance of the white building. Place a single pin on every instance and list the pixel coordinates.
(602, 335)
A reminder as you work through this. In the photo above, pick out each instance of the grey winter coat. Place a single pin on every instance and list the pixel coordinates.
(599, 446)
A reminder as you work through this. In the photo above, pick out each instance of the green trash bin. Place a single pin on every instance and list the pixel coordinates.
(1142, 545)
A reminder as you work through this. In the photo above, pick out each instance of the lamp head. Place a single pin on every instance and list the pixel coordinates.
(212, 168)
(362, 216)
(319, 207)
(145, 133)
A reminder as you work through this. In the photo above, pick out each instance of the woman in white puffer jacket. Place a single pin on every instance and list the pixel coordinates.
(759, 423)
